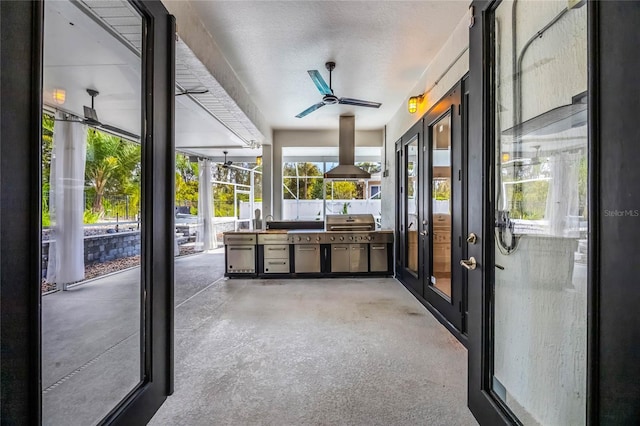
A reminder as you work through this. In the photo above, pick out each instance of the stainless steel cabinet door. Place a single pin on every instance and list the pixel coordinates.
(307, 258)
(379, 259)
(340, 258)
(358, 258)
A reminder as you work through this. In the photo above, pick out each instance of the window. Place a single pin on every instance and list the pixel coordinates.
(306, 195)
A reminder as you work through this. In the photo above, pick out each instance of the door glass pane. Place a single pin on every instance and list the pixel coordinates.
(441, 204)
(541, 234)
(411, 200)
(91, 163)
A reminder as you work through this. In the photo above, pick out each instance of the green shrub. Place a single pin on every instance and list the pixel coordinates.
(90, 217)
(46, 220)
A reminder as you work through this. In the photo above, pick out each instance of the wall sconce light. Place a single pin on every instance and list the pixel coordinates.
(413, 103)
(259, 160)
(59, 96)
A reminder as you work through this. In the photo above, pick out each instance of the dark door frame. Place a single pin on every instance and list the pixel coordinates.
(449, 312)
(421, 126)
(21, 32)
(484, 406)
(411, 280)
(613, 327)
(614, 296)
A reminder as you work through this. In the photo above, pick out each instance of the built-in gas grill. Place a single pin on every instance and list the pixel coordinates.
(349, 245)
(351, 238)
(350, 222)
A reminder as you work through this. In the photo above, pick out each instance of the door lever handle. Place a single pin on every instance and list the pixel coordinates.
(470, 263)
(423, 233)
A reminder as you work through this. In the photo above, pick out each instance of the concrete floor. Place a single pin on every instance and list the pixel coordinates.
(91, 340)
(314, 352)
(281, 352)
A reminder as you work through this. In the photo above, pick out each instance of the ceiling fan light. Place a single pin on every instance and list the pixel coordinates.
(412, 105)
(59, 96)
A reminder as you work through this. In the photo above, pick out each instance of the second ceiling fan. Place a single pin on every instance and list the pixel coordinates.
(329, 98)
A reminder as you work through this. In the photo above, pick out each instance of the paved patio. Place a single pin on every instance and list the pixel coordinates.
(281, 352)
(91, 340)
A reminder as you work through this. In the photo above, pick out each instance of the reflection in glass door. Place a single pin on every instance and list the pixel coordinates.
(91, 211)
(541, 236)
(441, 207)
(411, 203)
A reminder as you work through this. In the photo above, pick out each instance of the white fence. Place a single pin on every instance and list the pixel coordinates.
(312, 209)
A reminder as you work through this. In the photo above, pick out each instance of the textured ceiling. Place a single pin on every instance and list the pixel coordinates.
(96, 44)
(381, 49)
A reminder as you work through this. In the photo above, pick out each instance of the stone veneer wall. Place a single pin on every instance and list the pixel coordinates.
(102, 248)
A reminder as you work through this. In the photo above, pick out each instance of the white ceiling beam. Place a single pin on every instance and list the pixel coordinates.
(193, 33)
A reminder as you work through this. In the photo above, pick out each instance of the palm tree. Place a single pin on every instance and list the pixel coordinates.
(112, 165)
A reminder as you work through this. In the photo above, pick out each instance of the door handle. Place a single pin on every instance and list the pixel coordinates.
(472, 238)
(470, 263)
(423, 233)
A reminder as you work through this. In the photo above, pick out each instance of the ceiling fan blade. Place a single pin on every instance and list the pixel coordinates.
(358, 102)
(319, 82)
(310, 109)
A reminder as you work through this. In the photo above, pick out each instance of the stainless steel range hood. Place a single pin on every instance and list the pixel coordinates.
(346, 153)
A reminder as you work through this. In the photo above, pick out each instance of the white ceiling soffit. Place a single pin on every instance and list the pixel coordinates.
(192, 75)
(381, 48)
(103, 53)
(81, 54)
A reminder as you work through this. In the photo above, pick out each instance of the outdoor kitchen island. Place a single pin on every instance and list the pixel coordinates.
(348, 245)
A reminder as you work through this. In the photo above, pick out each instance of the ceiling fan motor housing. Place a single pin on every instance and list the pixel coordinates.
(330, 99)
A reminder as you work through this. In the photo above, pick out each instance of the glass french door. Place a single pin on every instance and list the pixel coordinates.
(443, 207)
(412, 230)
(529, 204)
(92, 97)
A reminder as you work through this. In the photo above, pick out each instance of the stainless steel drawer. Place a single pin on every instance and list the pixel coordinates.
(275, 238)
(239, 239)
(276, 251)
(276, 266)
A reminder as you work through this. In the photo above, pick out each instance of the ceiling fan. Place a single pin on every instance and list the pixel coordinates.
(226, 163)
(91, 118)
(329, 98)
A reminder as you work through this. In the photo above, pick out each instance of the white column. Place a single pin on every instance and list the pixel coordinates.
(66, 203)
(205, 237)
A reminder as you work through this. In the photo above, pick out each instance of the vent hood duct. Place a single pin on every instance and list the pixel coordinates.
(346, 153)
